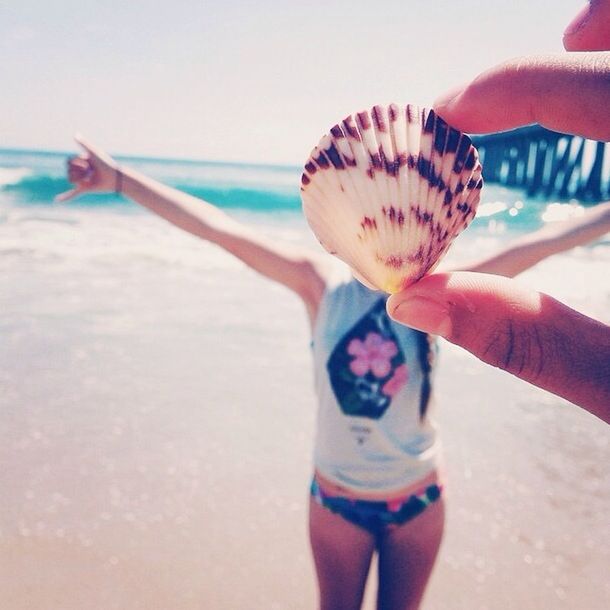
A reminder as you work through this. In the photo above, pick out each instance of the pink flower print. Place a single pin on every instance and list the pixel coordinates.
(373, 354)
(393, 385)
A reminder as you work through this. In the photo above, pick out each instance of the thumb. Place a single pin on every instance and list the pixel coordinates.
(526, 333)
(67, 195)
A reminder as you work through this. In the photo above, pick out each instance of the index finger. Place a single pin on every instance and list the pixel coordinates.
(569, 93)
(85, 145)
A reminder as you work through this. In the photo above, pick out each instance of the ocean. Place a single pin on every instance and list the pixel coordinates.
(157, 412)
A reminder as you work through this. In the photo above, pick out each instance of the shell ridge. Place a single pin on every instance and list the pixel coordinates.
(363, 182)
(398, 135)
(386, 154)
(339, 142)
(413, 142)
(375, 170)
(344, 213)
(376, 142)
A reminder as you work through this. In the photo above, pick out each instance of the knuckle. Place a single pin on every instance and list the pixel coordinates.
(517, 348)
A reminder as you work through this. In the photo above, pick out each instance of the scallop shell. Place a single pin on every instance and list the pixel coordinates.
(387, 191)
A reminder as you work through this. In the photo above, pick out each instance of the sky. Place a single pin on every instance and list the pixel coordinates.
(242, 81)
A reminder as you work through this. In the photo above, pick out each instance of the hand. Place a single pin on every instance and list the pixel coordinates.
(523, 332)
(526, 333)
(91, 172)
(568, 93)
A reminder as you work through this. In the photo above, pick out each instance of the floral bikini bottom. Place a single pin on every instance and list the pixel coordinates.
(374, 516)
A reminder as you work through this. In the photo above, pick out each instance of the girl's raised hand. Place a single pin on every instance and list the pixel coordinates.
(93, 171)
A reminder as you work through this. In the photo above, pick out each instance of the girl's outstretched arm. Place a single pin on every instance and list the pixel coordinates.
(552, 239)
(297, 268)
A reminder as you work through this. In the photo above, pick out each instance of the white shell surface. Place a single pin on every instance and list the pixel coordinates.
(388, 190)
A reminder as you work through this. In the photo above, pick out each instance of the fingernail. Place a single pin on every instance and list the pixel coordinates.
(423, 314)
(579, 21)
(445, 100)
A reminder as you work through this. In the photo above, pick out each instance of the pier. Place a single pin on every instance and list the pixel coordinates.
(546, 163)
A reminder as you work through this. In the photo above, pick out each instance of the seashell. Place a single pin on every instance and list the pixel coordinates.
(388, 190)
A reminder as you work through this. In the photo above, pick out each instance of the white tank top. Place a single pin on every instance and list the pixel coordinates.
(369, 377)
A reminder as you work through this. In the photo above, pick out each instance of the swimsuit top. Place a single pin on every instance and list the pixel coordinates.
(375, 429)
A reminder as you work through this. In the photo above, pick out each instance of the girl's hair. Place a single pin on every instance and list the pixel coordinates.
(425, 355)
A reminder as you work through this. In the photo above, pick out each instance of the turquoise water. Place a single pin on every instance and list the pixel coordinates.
(33, 178)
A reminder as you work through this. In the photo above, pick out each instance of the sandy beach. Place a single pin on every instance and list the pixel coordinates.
(156, 431)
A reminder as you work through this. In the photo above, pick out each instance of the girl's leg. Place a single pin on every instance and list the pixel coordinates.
(406, 557)
(342, 553)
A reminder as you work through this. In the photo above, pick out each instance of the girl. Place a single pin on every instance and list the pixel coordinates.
(376, 485)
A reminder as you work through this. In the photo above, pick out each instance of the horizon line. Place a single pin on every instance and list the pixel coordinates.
(131, 157)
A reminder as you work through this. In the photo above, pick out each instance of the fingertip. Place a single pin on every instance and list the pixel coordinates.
(392, 304)
(66, 196)
(444, 104)
(571, 33)
(422, 313)
(81, 141)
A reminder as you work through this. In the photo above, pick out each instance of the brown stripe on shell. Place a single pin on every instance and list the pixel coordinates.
(378, 119)
(335, 158)
(452, 140)
(410, 114)
(305, 179)
(322, 161)
(393, 110)
(448, 197)
(336, 132)
(470, 160)
(349, 161)
(480, 184)
(423, 166)
(363, 120)
(411, 161)
(429, 122)
(394, 214)
(434, 179)
(461, 154)
(463, 207)
(350, 128)
(421, 217)
(392, 167)
(395, 261)
(375, 160)
(310, 167)
(440, 136)
(368, 223)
